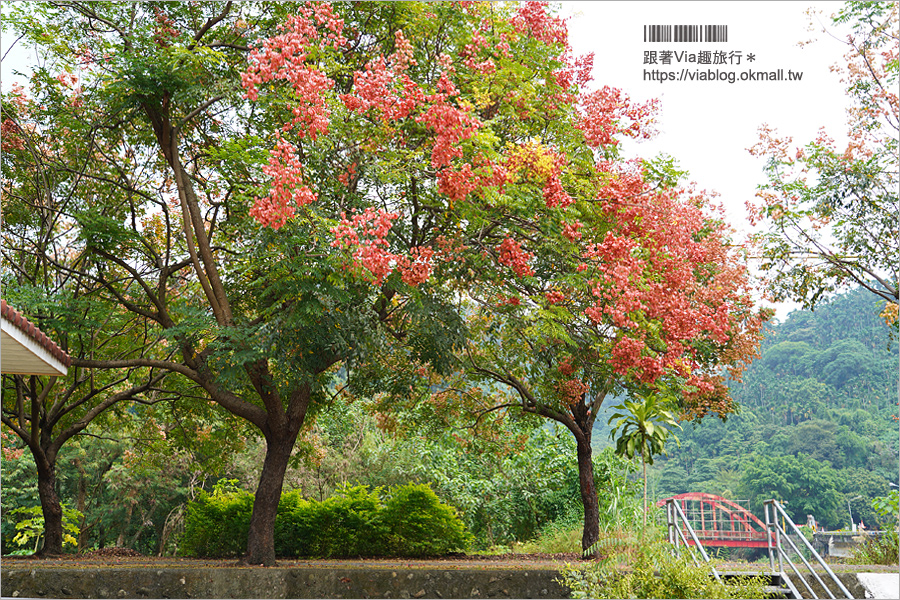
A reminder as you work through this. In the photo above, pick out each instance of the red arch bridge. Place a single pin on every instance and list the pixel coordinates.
(720, 522)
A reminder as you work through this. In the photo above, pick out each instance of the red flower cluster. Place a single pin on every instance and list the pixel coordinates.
(571, 231)
(533, 19)
(555, 297)
(165, 28)
(566, 368)
(287, 185)
(365, 234)
(513, 256)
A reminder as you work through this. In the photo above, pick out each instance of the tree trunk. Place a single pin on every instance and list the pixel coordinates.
(644, 463)
(261, 538)
(120, 541)
(591, 533)
(51, 508)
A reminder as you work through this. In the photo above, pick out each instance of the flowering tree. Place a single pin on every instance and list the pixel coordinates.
(580, 273)
(645, 295)
(831, 213)
(293, 189)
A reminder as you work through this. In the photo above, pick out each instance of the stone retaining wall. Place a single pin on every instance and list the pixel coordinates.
(89, 581)
(238, 582)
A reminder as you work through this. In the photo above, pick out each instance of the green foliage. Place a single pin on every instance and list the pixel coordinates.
(888, 506)
(641, 428)
(502, 496)
(555, 538)
(31, 527)
(19, 491)
(805, 486)
(420, 525)
(491, 477)
(410, 521)
(216, 524)
(876, 550)
(347, 524)
(825, 389)
(652, 570)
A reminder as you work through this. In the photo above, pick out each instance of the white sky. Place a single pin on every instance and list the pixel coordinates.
(708, 126)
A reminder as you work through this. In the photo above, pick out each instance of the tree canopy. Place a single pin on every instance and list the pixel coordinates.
(830, 212)
(285, 195)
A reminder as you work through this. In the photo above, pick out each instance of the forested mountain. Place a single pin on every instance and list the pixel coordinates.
(818, 421)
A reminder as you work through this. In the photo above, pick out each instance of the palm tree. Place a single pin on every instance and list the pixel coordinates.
(645, 429)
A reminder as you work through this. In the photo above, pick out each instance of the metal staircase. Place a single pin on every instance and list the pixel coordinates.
(781, 544)
(782, 549)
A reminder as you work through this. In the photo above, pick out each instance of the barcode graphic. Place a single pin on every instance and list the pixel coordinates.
(685, 33)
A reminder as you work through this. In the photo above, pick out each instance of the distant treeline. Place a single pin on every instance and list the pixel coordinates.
(818, 421)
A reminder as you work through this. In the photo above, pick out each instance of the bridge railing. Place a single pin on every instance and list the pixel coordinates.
(718, 521)
(777, 548)
(677, 524)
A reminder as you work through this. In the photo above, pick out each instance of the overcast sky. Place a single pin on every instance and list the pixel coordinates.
(709, 125)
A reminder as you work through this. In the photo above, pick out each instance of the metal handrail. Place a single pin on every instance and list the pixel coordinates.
(673, 511)
(674, 541)
(773, 523)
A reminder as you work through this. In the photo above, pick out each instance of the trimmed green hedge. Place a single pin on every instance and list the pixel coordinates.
(409, 521)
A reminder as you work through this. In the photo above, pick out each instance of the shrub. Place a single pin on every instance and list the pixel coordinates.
(553, 539)
(654, 572)
(355, 522)
(216, 524)
(873, 550)
(419, 524)
(344, 525)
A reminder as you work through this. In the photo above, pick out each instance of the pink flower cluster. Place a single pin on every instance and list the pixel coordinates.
(513, 256)
(573, 390)
(67, 79)
(554, 194)
(287, 187)
(608, 112)
(649, 269)
(470, 55)
(418, 268)
(284, 57)
(451, 126)
(534, 19)
(385, 87)
(572, 231)
(365, 235)
(456, 184)
(345, 177)
(555, 297)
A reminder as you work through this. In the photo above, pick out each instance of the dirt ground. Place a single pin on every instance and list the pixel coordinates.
(122, 557)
